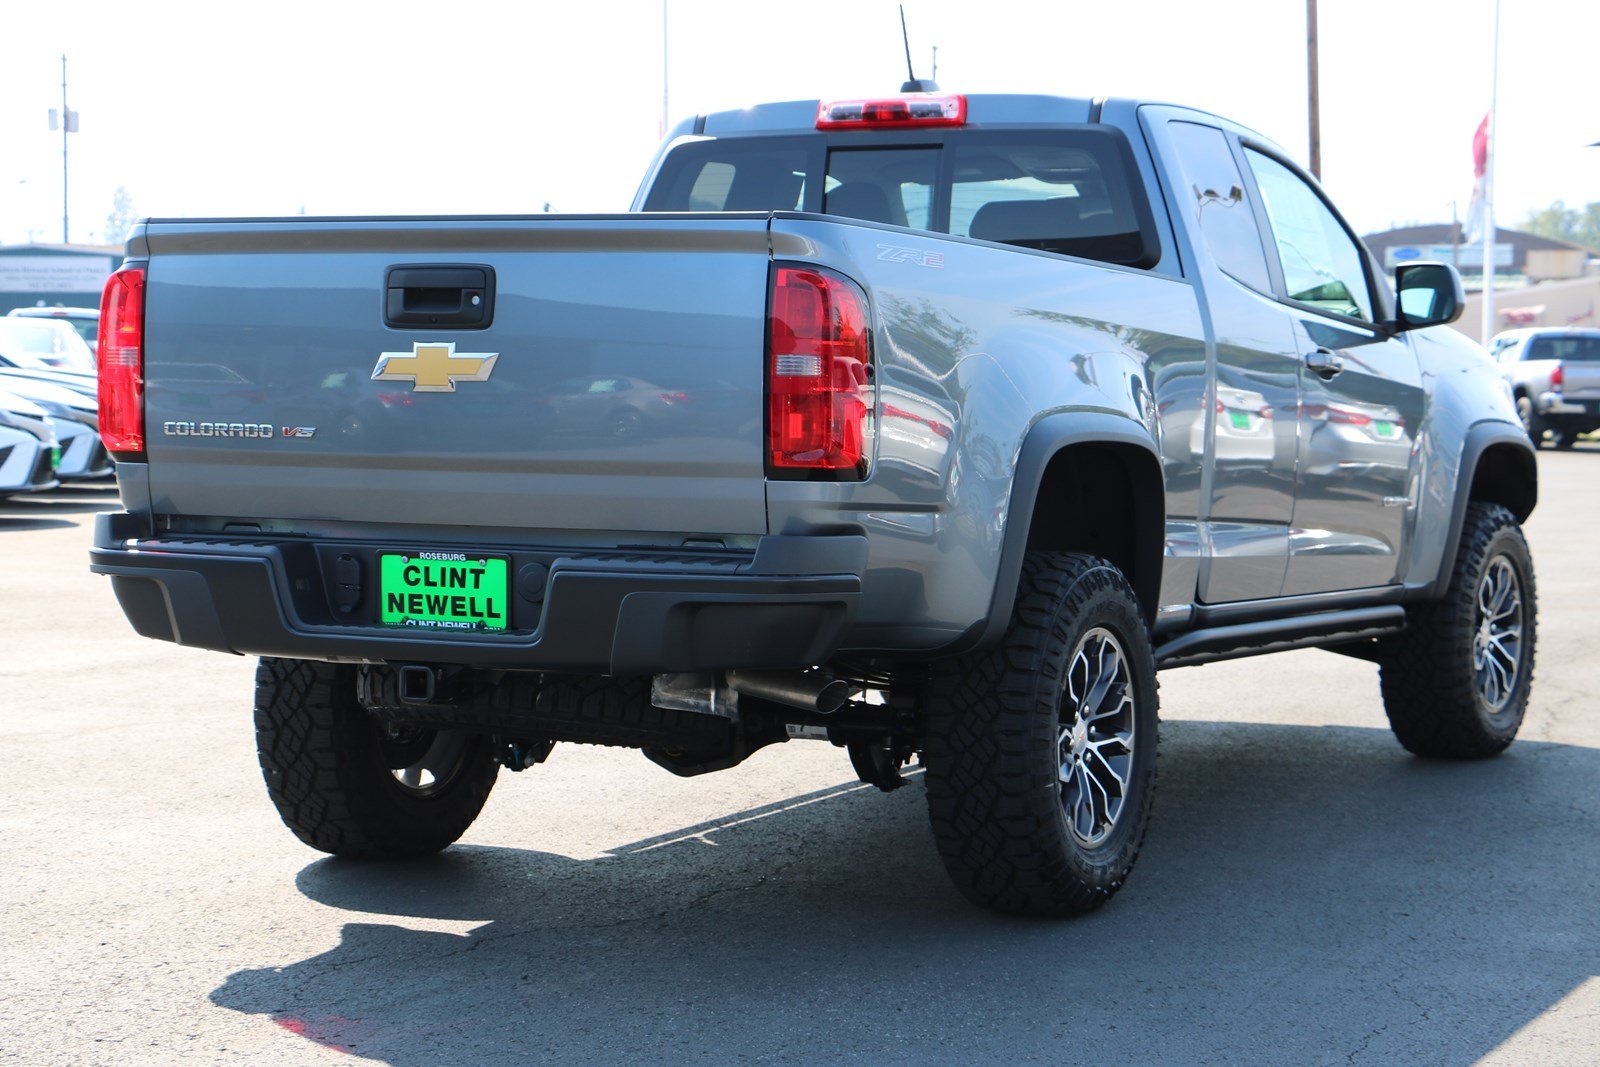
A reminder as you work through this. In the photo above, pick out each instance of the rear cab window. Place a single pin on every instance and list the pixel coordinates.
(1070, 190)
(769, 174)
(1576, 348)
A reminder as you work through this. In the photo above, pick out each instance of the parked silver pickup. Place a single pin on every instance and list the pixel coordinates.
(929, 425)
(1555, 379)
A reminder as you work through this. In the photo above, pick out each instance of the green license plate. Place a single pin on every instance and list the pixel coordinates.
(448, 590)
(55, 457)
(1385, 429)
(1240, 419)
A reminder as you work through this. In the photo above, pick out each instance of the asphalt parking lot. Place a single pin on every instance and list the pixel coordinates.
(1309, 893)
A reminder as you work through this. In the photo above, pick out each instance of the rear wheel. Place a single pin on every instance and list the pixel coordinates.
(1041, 752)
(1532, 424)
(350, 786)
(1456, 680)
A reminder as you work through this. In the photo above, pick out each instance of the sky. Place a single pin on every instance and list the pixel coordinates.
(354, 107)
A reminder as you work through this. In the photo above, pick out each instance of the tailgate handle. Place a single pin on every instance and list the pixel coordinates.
(439, 296)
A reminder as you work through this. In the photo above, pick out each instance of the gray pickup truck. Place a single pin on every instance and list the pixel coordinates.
(1555, 380)
(932, 426)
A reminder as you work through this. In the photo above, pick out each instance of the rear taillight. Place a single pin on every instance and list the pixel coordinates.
(1558, 377)
(918, 110)
(121, 361)
(818, 361)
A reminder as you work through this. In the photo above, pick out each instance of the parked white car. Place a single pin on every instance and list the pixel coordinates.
(28, 447)
(46, 344)
(85, 320)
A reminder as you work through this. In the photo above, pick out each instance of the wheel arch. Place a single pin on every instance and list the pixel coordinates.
(1064, 460)
(1498, 466)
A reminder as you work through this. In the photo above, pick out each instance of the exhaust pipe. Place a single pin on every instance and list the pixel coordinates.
(821, 693)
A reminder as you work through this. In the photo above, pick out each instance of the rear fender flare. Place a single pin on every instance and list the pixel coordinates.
(1044, 441)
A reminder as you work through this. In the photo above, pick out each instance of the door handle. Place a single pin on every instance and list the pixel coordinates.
(438, 296)
(1325, 364)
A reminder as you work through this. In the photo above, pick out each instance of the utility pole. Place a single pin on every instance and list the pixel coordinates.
(1313, 102)
(69, 124)
(935, 74)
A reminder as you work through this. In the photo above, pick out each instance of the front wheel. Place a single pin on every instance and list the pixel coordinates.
(1456, 680)
(350, 786)
(1041, 752)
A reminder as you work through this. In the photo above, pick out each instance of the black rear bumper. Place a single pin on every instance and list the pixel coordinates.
(787, 604)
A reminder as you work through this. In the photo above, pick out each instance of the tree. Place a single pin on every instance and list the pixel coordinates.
(122, 217)
(1580, 226)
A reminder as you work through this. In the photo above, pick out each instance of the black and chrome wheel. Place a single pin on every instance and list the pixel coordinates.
(1041, 751)
(1497, 634)
(1456, 680)
(350, 786)
(1096, 737)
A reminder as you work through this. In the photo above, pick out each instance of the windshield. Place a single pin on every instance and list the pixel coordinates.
(38, 343)
(1578, 348)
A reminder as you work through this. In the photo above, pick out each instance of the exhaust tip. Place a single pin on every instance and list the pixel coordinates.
(831, 697)
(810, 690)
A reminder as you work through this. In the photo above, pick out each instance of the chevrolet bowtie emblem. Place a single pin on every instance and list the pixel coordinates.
(434, 367)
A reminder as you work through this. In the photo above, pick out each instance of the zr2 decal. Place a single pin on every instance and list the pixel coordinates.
(919, 257)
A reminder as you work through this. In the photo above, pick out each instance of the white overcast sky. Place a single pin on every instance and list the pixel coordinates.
(344, 107)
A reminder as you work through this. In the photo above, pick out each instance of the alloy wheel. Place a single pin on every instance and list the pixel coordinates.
(1096, 736)
(1497, 633)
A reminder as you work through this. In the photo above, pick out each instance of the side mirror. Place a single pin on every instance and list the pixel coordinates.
(1430, 294)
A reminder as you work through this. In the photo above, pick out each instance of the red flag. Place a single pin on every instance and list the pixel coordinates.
(1480, 148)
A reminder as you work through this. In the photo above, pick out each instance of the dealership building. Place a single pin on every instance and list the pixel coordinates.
(41, 275)
(1527, 254)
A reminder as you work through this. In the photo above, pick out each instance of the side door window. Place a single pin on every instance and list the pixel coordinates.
(1216, 189)
(1361, 398)
(1243, 432)
(1322, 265)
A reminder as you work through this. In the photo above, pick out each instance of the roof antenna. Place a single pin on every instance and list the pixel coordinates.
(914, 85)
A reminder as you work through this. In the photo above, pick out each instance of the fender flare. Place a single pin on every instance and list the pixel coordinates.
(1481, 437)
(1044, 441)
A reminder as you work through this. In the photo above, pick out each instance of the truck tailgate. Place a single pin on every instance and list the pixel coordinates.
(625, 393)
(1581, 379)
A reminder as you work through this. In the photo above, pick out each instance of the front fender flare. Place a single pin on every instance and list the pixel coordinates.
(1480, 438)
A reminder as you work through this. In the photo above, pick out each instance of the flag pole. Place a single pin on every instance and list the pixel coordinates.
(66, 128)
(1489, 319)
(665, 115)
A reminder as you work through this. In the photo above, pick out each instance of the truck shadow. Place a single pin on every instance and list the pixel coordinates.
(17, 511)
(1305, 894)
(9, 522)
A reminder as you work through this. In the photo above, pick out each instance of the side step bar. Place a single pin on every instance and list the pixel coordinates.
(1277, 635)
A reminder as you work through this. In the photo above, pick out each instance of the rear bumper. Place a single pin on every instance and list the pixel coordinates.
(1557, 404)
(787, 604)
